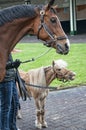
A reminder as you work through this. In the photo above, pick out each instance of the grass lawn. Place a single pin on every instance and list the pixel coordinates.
(76, 60)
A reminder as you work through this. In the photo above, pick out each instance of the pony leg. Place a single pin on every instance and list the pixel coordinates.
(19, 115)
(44, 123)
(38, 114)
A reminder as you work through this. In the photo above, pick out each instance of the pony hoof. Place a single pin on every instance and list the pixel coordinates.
(19, 116)
(38, 125)
(44, 125)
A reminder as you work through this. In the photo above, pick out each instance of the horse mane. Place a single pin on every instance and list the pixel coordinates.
(37, 76)
(19, 11)
(60, 63)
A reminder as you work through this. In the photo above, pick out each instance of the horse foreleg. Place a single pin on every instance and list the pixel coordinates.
(44, 123)
(38, 121)
(19, 115)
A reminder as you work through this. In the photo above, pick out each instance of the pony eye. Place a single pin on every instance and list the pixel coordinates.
(53, 20)
(59, 69)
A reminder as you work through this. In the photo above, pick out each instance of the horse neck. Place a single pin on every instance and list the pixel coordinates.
(49, 74)
(25, 26)
(22, 27)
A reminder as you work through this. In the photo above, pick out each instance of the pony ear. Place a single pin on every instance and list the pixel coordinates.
(50, 4)
(53, 63)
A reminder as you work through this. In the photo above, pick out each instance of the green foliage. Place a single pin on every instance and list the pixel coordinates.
(76, 60)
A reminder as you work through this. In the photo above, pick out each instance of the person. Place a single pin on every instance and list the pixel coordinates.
(9, 100)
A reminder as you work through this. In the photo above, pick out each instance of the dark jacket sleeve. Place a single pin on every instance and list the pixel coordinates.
(10, 73)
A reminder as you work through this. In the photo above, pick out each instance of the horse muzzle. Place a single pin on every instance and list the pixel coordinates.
(63, 48)
(70, 76)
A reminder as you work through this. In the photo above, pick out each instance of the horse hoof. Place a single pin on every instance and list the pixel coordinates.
(44, 125)
(19, 115)
(38, 125)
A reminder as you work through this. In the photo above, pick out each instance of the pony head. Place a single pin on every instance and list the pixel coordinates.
(61, 71)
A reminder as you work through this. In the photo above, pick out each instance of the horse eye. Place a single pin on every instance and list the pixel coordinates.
(59, 69)
(53, 20)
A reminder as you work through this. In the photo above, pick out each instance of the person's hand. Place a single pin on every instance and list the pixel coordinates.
(16, 63)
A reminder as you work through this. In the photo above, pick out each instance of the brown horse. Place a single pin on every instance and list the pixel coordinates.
(43, 77)
(19, 20)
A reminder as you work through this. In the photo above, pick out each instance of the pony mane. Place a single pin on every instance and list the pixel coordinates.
(15, 12)
(37, 76)
(61, 63)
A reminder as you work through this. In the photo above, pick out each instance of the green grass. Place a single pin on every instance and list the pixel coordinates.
(76, 60)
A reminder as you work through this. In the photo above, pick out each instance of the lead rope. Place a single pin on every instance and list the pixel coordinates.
(23, 91)
(33, 59)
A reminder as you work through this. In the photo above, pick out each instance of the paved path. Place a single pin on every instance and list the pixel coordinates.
(65, 110)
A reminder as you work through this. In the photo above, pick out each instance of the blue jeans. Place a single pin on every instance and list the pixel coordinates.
(9, 105)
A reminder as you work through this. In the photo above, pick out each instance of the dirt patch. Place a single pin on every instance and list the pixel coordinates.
(16, 51)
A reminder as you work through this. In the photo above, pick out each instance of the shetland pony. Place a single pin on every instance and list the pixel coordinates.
(44, 76)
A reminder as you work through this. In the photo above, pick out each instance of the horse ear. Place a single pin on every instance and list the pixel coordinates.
(57, 9)
(37, 11)
(53, 63)
(50, 4)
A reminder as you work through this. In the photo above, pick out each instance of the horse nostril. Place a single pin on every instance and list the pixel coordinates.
(66, 46)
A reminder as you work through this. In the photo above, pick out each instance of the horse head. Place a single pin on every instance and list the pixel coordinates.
(61, 72)
(48, 28)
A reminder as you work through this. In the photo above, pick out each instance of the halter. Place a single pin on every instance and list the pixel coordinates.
(48, 31)
(56, 75)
